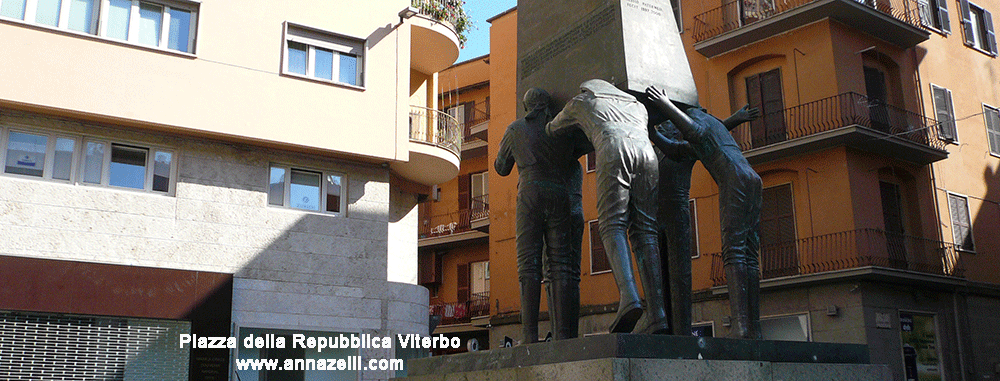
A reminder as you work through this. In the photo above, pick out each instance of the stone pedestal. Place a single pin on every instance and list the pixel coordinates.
(630, 43)
(646, 357)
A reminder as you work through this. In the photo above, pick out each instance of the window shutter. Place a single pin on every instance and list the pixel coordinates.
(777, 232)
(945, 118)
(464, 188)
(960, 222)
(993, 129)
(991, 37)
(942, 6)
(591, 162)
(754, 99)
(967, 22)
(463, 282)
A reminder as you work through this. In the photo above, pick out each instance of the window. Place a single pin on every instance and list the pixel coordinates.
(41, 155)
(55, 156)
(591, 162)
(598, 258)
(961, 225)
(934, 14)
(945, 111)
(323, 56)
(127, 166)
(306, 189)
(992, 116)
(977, 26)
(163, 24)
(786, 328)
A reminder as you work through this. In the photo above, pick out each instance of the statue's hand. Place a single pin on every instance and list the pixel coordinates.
(656, 94)
(747, 114)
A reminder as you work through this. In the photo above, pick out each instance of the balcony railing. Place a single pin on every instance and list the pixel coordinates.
(736, 14)
(849, 250)
(459, 221)
(463, 312)
(831, 113)
(435, 127)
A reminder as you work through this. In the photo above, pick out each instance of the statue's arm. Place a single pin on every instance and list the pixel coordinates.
(745, 114)
(676, 150)
(674, 114)
(564, 119)
(505, 156)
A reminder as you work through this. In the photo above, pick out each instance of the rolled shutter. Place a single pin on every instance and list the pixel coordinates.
(967, 22)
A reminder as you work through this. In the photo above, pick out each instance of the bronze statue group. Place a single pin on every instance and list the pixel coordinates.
(642, 194)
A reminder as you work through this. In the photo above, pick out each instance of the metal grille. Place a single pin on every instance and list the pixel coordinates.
(37, 346)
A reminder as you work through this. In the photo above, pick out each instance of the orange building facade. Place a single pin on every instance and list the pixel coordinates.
(878, 149)
(455, 220)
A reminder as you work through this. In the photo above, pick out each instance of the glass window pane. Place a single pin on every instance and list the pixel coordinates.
(349, 69)
(180, 30)
(304, 190)
(128, 167)
(118, 19)
(94, 163)
(333, 193)
(12, 9)
(81, 16)
(297, 57)
(161, 171)
(276, 187)
(324, 64)
(150, 24)
(26, 153)
(47, 12)
(63, 165)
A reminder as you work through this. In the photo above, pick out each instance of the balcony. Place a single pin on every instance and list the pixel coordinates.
(434, 38)
(459, 226)
(435, 144)
(849, 250)
(741, 22)
(476, 129)
(465, 312)
(843, 120)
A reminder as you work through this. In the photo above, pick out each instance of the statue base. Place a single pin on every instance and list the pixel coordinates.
(655, 357)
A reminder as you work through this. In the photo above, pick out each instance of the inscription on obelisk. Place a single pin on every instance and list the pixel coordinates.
(630, 43)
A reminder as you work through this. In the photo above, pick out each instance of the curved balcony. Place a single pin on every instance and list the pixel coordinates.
(435, 147)
(434, 43)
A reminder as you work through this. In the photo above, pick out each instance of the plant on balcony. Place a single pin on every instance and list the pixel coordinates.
(452, 11)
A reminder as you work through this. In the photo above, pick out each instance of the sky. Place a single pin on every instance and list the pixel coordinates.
(479, 37)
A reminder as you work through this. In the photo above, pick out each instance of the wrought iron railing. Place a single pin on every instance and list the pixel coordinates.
(835, 112)
(435, 127)
(852, 249)
(457, 221)
(480, 207)
(736, 14)
(463, 312)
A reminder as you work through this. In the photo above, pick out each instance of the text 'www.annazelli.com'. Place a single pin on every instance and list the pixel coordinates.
(350, 363)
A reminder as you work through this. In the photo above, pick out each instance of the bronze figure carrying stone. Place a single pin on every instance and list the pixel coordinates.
(674, 218)
(615, 123)
(739, 207)
(549, 215)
